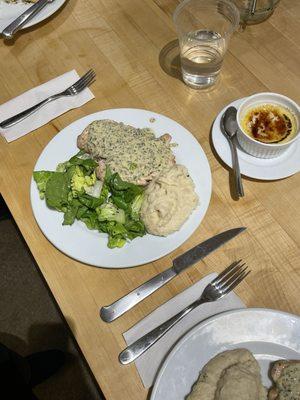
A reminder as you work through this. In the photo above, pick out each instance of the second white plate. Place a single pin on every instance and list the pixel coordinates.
(89, 246)
(276, 336)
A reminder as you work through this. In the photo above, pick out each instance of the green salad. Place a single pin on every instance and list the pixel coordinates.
(112, 206)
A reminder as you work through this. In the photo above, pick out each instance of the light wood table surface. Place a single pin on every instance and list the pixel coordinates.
(122, 40)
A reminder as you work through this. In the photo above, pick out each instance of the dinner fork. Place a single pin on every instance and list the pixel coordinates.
(77, 87)
(224, 283)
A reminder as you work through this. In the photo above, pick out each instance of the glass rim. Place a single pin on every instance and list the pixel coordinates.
(228, 3)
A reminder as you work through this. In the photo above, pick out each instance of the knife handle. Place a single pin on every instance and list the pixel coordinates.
(17, 24)
(119, 307)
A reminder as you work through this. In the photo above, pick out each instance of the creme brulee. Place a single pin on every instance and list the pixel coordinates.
(269, 123)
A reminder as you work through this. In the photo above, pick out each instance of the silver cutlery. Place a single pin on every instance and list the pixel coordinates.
(253, 6)
(77, 87)
(18, 23)
(229, 128)
(119, 307)
(223, 284)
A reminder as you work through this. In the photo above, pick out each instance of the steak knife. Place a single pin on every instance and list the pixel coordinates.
(119, 307)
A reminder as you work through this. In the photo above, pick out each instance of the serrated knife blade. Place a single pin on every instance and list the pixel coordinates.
(198, 252)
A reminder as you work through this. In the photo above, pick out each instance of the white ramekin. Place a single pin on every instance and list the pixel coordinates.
(254, 147)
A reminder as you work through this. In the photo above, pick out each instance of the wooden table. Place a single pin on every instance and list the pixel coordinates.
(123, 41)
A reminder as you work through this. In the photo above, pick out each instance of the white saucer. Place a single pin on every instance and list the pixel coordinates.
(280, 167)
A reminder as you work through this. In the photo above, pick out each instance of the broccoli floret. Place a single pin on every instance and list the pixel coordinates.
(109, 212)
(136, 206)
(81, 183)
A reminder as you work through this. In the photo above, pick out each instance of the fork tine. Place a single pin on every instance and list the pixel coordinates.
(84, 84)
(84, 76)
(227, 281)
(84, 79)
(228, 270)
(239, 279)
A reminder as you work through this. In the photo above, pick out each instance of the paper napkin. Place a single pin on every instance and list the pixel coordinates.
(149, 363)
(46, 113)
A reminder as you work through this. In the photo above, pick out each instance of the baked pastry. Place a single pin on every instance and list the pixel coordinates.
(286, 376)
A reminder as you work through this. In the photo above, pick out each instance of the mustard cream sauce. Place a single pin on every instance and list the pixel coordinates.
(134, 153)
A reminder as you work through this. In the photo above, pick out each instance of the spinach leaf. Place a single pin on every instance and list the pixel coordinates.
(81, 211)
(57, 190)
(136, 227)
(120, 203)
(90, 219)
(123, 193)
(118, 229)
(90, 201)
(71, 213)
(104, 193)
(116, 184)
(88, 164)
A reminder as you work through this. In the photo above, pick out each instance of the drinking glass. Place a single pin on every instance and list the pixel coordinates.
(255, 12)
(204, 28)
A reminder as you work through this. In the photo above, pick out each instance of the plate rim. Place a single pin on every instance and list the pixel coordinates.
(154, 258)
(39, 17)
(246, 172)
(203, 324)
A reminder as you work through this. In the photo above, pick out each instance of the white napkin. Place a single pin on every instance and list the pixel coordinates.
(149, 363)
(46, 113)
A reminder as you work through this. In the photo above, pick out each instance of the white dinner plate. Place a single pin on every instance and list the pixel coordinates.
(90, 247)
(9, 12)
(285, 165)
(270, 335)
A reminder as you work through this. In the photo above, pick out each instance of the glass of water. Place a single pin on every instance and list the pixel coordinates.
(204, 29)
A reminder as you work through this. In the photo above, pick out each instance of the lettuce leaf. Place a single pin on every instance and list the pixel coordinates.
(57, 189)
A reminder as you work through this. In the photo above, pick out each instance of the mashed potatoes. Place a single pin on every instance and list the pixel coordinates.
(231, 375)
(169, 200)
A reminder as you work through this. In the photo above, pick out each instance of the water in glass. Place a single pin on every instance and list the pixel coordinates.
(202, 54)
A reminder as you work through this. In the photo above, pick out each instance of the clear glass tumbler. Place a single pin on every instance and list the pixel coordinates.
(204, 28)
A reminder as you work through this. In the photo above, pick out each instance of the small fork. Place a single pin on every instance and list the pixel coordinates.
(224, 283)
(77, 87)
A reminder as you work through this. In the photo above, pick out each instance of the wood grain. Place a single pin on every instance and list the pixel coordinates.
(123, 41)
